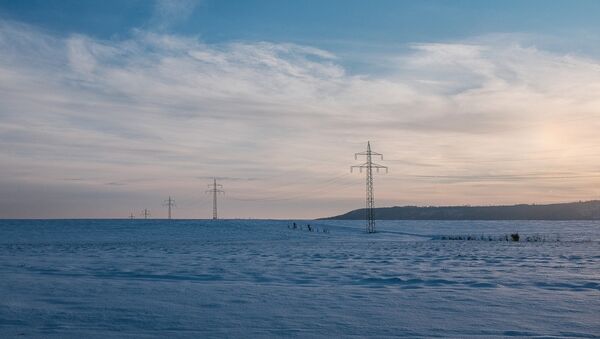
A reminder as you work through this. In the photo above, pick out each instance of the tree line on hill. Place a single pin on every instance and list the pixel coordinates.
(587, 210)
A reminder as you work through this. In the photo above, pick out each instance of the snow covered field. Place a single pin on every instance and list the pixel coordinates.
(252, 278)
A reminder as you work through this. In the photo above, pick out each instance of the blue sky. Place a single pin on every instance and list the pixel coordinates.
(334, 25)
(109, 107)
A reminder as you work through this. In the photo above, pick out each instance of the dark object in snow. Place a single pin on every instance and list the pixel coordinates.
(506, 237)
(309, 228)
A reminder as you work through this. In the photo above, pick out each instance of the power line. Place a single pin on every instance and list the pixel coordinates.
(214, 189)
(170, 203)
(478, 160)
(502, 177)
(368, 166)
(323, 186)
(145, 213)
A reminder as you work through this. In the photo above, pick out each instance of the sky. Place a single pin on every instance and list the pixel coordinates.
(110, 107)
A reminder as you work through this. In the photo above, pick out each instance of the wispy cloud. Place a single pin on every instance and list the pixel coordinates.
(171, 12)
(172, 109)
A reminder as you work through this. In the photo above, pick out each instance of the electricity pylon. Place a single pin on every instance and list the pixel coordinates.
(131, 216)
(214, 189)
(368, 166)
(170, 203)
(145, 213)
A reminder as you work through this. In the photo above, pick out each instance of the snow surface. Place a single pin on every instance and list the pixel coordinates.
(257, 278)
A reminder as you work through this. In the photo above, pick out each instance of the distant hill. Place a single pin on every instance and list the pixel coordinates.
(588, 210)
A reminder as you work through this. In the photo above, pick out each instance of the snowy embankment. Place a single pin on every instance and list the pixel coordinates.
(250, 278)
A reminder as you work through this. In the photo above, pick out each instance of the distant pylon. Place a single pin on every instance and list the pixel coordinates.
(145, 213)
(170, 203)
(131, 216)
(369, 165)
(214, 189)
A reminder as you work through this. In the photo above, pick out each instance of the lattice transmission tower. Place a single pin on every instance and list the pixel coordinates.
(369, 166)
(214, 189)
(170, 203)
(145, 213)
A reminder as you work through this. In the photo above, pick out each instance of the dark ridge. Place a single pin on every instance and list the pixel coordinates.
(587, 210)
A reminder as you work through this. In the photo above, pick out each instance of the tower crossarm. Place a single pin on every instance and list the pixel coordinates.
(373, 165)
(371, 153)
